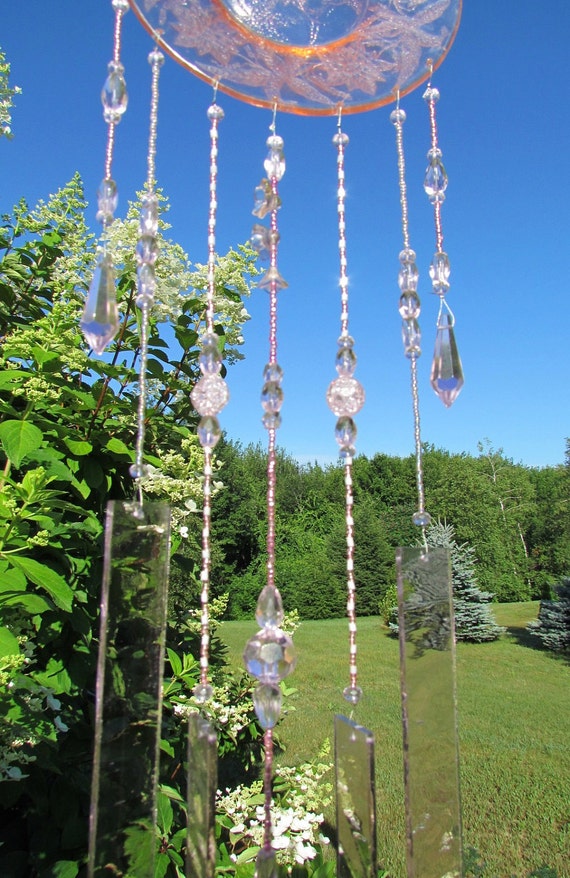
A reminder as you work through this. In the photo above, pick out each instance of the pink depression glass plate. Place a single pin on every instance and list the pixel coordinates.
(306, 56)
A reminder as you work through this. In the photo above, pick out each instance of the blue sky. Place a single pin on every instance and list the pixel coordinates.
(505, 134)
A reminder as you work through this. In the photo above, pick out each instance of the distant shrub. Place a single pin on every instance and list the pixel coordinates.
(553, 623)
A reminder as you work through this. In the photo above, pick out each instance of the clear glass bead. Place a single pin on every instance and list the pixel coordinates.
(274, 164)
(265, 199)
(202, 692)
(347, 453)
(269, 611)
(421, 519)
(412, 338)
(215, 113)
(210, 358)
(435, 182)
(272, 372)
(345, 431)
(269, 655)
(139, 471)
(209, 432)
(121, 5)
(155, 58)
(267, 701)
(407, 255)
(345, 396)
(397, 116)
(341, 139)
(345, 362)
(146, 283)
(100, 320)
(274, 141)
(147, 249)
(114, 94)
(439, 272)
(148, 220)
(260, 240)
(271, 420)
(272, 396)
(272, 279)
(107, 200)
(210, 395)
(352, 694)
(409, 306)
(408, 277)
(431, 94)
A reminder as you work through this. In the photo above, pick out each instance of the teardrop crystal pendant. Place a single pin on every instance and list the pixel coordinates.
(100, 320)
(446, 370)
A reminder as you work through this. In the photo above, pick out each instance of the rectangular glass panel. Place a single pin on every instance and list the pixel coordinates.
(355, 799)
(202, 783)
(122, 838)
(431, 762)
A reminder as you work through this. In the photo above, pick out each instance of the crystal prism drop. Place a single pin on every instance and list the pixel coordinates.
(269, 611)
(446, 370)
(267, 701)
(100, 320)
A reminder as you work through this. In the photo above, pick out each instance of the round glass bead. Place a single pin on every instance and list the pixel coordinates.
(267, 701)
(345, 432)
(439, 272)
(210, 358)
(274, 142)
(271, 420)
(148, 221)
(409, 306)
(345, 360)
(272, 372)
(210, 395)
(215, 113)
(345, 396)
(272, 396)
(341, 139)
(412, 338)
(407, 255)
(352, 694)
(397, 116)
(209, 432)
(269, 655)
(202, 692)
(107, 199)
(139, 471)
(347, 453)
(121, 5)
(431, 94)
(147, 249)
(156, 58)
(421, 519)
(408, 277)
(269, 611)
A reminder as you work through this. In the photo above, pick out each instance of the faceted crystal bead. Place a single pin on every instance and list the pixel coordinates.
(100, 320)
(407, 255)
(345, 358)
(439, 272)
(266, 864)
(352, 694)
(146, 284)
(265, 199)
(274, 164)
(269, 612)
(345, 432)
(148, 221)
(267, 700)
(435, 182)
(202, 692)
(408, 277)
(155, 58)
(409, 305)
(347, 453)
(274, 141)
(271, 420)
(114, 93)
(261, 241)
(147, 249)
(210, 395)
(421, 519)
(272, 372)
(345, 396)
(269, 655)
(341, 139)
(412, 338)
(107, 200)
(121, 5)
(398, 115)
(431, 94)
(271, 279)
(141, 471)
(446, 370)
(209, 432)
(215, 113)
(272, 396)
(210, 358)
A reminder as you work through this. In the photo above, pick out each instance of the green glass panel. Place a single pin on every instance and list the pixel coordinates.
(202, 783)
(355, 799)
(431, 760)
(122, 835)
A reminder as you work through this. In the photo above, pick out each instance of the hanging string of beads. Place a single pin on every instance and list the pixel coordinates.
(269, 655)
(100, 320)
(209, 397)
(409, 308)
(345, 398)
(446, 371)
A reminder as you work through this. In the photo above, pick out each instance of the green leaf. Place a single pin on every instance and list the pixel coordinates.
(46, 578)
(63, 869)
(19, 438)
(12, 378)
(117, 446)
(78, 447)
(165, 813)
(175, 662)
(8, 643)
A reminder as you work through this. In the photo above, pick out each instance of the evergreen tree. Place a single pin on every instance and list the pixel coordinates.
(553, 623)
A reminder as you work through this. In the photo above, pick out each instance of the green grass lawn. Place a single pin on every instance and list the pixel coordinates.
(514, 721)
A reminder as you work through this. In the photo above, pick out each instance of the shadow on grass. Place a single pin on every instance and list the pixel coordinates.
(524, 637)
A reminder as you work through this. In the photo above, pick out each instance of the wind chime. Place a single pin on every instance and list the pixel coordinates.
(328, 58)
